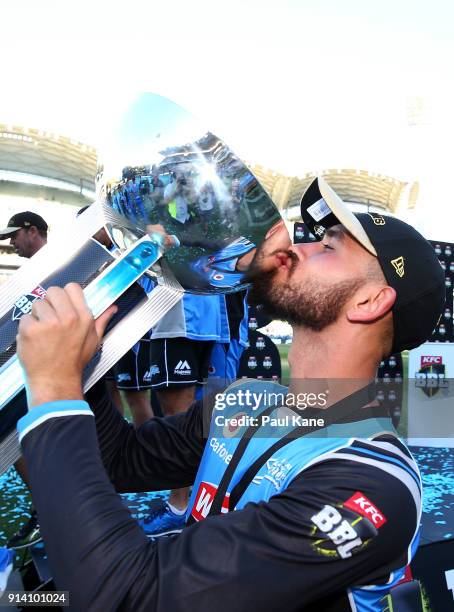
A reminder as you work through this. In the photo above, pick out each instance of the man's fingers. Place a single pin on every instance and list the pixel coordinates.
(77, 297)
(102, 321)
(62, 304)
(26, 322)
(43, 311)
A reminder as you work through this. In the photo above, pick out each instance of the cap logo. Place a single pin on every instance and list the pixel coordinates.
(377, 219)
(398, 265)
(319, 230)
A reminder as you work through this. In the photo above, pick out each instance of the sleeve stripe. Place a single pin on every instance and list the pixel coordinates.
(50, 410)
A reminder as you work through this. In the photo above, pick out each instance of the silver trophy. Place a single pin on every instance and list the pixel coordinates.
(181, 210)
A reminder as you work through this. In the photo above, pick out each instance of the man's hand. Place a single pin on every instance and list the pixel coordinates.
(56, 341)
(158, 231)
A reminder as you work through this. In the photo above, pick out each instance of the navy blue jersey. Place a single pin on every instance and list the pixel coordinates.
(324, 520)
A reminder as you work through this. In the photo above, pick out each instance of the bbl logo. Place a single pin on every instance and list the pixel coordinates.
(267, 362)
(299, 232)
(432, 375)
(260, 344)
(24, 304)
(252, 362)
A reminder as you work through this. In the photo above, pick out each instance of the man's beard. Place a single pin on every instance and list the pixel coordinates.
(312, 304)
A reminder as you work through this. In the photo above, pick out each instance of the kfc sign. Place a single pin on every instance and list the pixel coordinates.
(429, 360)
(359, 503)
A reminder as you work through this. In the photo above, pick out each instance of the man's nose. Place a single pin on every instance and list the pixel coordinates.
(278, 237)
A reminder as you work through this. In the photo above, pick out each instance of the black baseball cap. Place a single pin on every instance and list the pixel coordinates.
(23, 220)
(408, 261)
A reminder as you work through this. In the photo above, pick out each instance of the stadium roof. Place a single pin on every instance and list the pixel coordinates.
(29, 155)
(355, 186)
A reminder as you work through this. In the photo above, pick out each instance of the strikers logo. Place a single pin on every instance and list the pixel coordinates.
(24, 304)
(431, 376)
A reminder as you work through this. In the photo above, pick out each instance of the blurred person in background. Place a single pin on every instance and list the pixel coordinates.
(27, 233)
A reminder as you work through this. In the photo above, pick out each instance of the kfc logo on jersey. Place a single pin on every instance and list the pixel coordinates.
(360, 504)
(24, 304)
(204, 499)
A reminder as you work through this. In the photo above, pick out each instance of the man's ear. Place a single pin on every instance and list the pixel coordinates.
(373, 302)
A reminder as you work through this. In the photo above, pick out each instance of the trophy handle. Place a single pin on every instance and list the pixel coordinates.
(103, 291)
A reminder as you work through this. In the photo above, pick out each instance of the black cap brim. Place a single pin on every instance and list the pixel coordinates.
(321, 208)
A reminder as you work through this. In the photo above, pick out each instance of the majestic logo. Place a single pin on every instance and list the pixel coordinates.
(204, 499)
(24, 304)
(432, 375)
(398, 265)
(377, 219)
(359, 503)
(182, 368)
